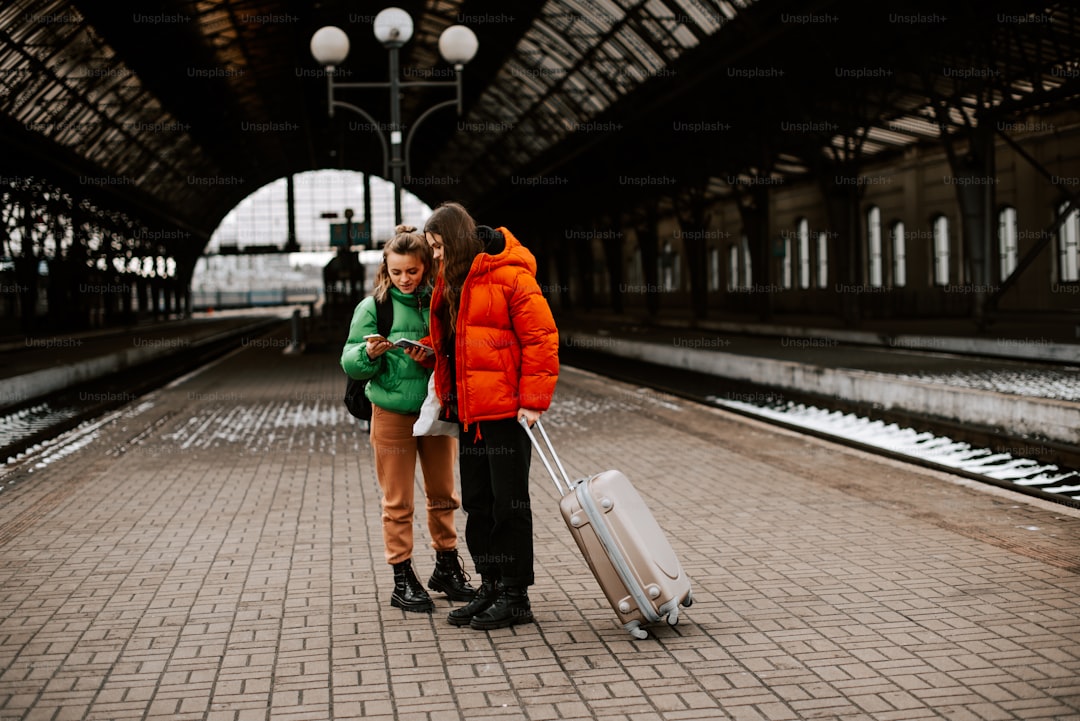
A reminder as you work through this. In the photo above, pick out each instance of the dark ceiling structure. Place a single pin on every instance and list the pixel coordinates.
(175, 110)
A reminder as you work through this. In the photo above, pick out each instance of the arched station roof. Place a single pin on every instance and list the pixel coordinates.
(175, 110)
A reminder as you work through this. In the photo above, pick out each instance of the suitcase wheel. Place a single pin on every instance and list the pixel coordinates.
(673, 617)
(638, 633)
(689, 600)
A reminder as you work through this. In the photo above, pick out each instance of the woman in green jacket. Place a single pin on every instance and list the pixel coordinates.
(397, 385)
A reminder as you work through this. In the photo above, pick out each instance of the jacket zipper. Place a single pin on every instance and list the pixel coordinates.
(459, 355)
(458, 359)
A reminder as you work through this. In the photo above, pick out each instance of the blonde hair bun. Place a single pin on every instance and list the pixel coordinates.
(405, 229)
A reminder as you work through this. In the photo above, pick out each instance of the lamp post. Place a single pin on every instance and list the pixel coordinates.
(393, 28)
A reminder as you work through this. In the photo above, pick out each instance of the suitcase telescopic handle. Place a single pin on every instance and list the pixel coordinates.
(540, 451)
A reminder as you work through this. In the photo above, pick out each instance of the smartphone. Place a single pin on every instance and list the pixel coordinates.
(374, 336)
(406, 343)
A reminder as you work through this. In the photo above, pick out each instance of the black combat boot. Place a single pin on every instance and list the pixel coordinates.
(485, 596)
(450, 577)
(408, 594)
(510, 609)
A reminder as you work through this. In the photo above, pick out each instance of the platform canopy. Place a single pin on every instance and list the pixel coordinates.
(177, 109)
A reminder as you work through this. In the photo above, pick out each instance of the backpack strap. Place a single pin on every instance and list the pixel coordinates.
(384, 316)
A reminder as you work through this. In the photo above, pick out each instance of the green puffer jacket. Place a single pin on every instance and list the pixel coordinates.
(397, 382)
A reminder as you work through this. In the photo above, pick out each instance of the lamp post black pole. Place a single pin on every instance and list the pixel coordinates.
(396, 162)
(393, 28)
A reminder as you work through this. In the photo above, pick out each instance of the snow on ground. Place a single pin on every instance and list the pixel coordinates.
(909, 442)
(262, 427)
(1061, 384)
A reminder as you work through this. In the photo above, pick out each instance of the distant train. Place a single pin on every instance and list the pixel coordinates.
(224, 299)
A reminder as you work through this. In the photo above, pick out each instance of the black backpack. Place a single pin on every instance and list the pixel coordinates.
(355, 399)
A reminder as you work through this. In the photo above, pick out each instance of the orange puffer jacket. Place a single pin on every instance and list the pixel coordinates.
(507, 345)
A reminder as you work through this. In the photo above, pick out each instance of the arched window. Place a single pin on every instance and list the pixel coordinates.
(748, 269)
(1007, 240)
(714, 268)
(733, 267)
(669, 268)
(899, 254)
(263, 216)
(802, 231)
(873, 245)
(941, 250)
(822, 260)
(785, 264)
(1069, 246)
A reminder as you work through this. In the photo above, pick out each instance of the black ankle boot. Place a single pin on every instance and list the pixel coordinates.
(510, 608)
(408, 594)
(450, 577)
(485, 596)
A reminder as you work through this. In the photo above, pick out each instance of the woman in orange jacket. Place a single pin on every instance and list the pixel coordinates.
(496, 360)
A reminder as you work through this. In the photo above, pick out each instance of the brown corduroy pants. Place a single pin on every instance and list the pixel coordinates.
(396, 450)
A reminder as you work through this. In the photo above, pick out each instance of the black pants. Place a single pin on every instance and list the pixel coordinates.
(495, 498)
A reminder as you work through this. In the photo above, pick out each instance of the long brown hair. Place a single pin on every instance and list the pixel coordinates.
(406, 241)
(460, 246)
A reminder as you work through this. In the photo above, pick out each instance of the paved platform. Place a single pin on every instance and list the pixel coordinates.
(213, 551)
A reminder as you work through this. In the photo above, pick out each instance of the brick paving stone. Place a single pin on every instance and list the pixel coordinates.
(907, 715)
(228, 565)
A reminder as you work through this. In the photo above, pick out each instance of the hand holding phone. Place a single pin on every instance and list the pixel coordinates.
(405, 343)
(376, 345)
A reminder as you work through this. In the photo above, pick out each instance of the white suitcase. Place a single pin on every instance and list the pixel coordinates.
(623, 544)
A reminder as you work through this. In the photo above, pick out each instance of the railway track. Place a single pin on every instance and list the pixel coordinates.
(40, 419)
(1045, 470)
(1050, 471)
